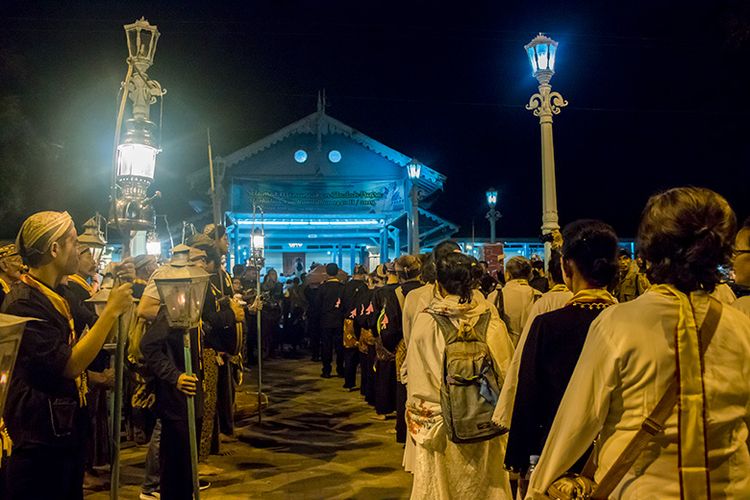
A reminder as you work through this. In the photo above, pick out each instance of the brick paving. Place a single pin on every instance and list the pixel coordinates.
(316, 441)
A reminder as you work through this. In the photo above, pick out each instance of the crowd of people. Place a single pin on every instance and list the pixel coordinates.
(521, 382)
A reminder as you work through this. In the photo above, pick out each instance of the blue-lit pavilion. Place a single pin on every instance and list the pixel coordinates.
(327, 193)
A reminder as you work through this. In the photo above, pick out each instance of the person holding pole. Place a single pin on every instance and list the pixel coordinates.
(46, 417)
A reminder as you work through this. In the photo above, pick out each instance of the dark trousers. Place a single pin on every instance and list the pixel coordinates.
(370, 375)
(225, 399)
(174, 460)
(351, 360)
(46, 472)
(332, 339)
(313, 331)
(385, 387)
(400, 412)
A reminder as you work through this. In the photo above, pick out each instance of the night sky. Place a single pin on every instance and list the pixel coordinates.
(657, 94)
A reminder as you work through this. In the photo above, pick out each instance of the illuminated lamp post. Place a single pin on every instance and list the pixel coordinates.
(183, 294)
(134, 159)
(413, 171)
(257, 260)
(492, 215)
(93, 238)
(546, 103)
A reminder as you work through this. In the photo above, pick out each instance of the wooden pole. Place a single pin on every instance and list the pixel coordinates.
(121, 332)
(192, 434)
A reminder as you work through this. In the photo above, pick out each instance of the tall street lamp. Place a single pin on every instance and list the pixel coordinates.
(183, 294)
(542, 51)
(133, 172)
(492, 215)
(413, 171)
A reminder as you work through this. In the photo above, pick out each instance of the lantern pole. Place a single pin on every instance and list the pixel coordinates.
(132, 174)
(257, 256)
(192, 433)
(544, 105)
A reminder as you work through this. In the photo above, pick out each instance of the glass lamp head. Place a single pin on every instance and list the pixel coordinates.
(93, 238)
(183, 293)
(141, 37)
(11, 331)
(491, 197)
(414, 169)
(542, 51)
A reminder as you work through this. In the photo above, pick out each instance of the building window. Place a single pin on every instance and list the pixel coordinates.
(300, 156)
(334, 156)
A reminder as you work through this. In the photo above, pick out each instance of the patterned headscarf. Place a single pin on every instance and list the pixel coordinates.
(8, 250)
(40, 230)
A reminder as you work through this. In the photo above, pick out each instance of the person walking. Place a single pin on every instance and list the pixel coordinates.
(444, 469)
(354, 296)
(331, 310)
(673, 337)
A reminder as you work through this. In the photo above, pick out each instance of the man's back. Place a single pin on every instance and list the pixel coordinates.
(329, 303)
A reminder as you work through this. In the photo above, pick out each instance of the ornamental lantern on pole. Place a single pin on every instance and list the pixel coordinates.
(183, 294)
(93, 238)
(542, 52)
(413, 172)
(492, 215)
(11, 331)
(135, 155)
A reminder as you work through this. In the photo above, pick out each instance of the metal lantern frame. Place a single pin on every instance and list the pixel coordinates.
(93, 238)
(184, 312)
(542, 52)
(11, 332)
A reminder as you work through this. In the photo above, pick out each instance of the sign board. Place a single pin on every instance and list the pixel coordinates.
(319, 197)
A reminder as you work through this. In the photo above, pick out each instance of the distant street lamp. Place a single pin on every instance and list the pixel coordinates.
(413, 171)
(183, 294)
(542, 51)
(492, 215)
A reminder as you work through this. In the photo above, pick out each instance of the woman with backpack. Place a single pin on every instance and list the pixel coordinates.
(448, 412)
(672, 362)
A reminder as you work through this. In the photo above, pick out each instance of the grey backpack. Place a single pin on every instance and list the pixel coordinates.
(471, 384)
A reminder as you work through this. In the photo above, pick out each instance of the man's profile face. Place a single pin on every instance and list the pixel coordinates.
(623, 261)
(223, 245)
(65, 252)
(86, 264)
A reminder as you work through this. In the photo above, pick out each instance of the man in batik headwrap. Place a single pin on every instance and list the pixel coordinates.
(11, 267)
(46, 406)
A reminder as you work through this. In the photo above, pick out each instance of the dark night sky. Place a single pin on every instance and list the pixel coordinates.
(656, 90)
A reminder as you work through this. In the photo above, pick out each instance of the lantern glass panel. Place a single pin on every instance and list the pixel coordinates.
(259, 241)
(11, 330)
(542, 56)
(492, 197)
(137, 160)
(532, 59)
(414, 170)
(552, 53)
(153, 247)
(183, 298)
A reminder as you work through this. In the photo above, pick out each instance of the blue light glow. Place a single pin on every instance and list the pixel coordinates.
(532, 59)
(552, 52)
(334, 156)
(300, 156)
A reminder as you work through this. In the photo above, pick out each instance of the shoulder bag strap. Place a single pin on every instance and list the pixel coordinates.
(654, 424)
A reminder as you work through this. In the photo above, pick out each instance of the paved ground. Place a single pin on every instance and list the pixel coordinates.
(316, 441)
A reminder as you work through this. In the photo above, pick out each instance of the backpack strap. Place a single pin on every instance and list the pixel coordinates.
(482, 326)
(446, 327)
(400, 296)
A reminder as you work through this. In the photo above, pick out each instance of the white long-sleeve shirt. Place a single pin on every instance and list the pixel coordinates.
(626, 363)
